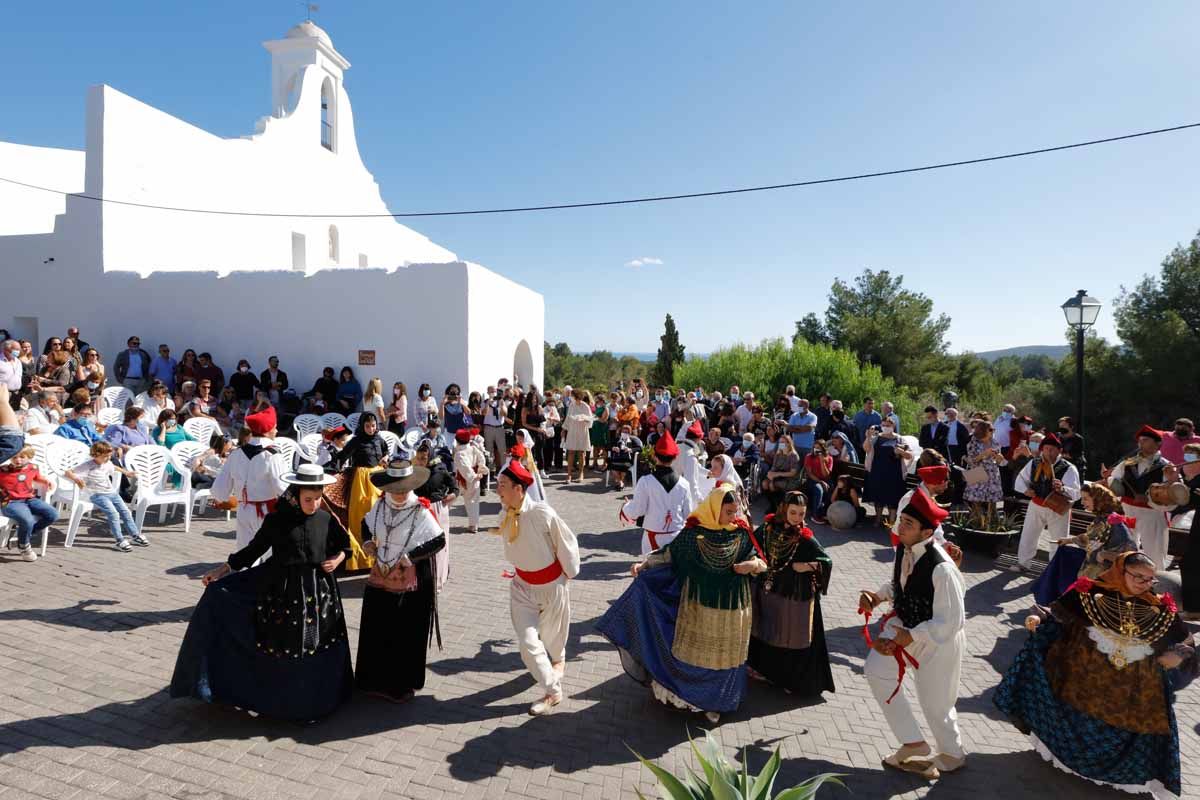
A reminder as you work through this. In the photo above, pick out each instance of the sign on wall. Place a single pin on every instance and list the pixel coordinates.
(366, 358)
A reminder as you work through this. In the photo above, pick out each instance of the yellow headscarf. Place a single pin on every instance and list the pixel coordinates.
(708, 513)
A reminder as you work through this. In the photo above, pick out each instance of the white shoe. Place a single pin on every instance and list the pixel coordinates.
(712, 716)
(28, 553)
(947, 763)
(1016, 568)
(545, 706)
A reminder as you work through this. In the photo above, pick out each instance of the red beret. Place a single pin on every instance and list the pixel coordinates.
(517, 450)
(923, 508)
(696, 430)
(517, 472)
(1052, 440)
(262, 422)
(665, 446)
(463, 435)
(938, 473)
(1150, 433)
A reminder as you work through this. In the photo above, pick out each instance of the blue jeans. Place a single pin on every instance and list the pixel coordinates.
(31, 516)
(816, 497)
(113, 507)
(12, 441)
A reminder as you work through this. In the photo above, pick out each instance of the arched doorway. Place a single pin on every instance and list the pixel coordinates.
(523, 364)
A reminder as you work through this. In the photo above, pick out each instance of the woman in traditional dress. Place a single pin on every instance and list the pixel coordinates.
(358, 460)
(399, 610)
(272, 638)
(787, 645)
(695, 594)
(1093, 551)
(524, 451)
(1094, 685)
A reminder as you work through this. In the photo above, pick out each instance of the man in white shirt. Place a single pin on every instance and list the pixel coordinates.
(794, 401)
(10, 366)
(1043, 476)
(470, 466)
(745, 412)
(925, 628)
(45, 415)
(495, 409)
(1004, 423)
(1130, 480)
(252, 475)
(662, 499)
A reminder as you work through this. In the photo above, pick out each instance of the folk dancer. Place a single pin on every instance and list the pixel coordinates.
(689, 465)
(470, 466)
(1047, 474)
(924, 631)
(545, 555)
(252, 475)
(662, 500)
(1130, 480)
(935, 479)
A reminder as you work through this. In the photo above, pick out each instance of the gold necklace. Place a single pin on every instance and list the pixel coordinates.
(780, 551)
(1132, 623)
(718, 556)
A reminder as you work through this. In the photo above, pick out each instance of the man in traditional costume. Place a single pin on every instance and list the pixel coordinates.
(1130, 480)
(935, 479)
(662, 500)
(470, 465)
(1045, 480)
(923, 631)
(252, 475)
(689, 464)
(545, 555)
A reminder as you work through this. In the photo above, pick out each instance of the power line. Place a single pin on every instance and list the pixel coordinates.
(628, 201)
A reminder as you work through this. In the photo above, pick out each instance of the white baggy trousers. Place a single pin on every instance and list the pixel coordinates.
(541, 618)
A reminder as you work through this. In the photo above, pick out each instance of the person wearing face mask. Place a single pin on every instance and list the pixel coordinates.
(1182, 434)
(620, 458)
(244, 383)
(1072, 444)
(397, 410)
(426, 406)
(1004, 424)
(802, 425)
(662, 404)
(887, 466)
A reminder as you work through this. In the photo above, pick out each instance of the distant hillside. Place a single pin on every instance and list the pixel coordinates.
(1055, 351)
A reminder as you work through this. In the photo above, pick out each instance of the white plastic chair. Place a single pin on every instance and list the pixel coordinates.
(632, 472)
(393, 443)
(110, 416)
(332, 420)
(150, 461)
(287, 452)
(41, 443)
(184, 454)
(306, 424)
(53, 458)
(309, 446)
(201, 429)
(116, 397)
(352, 421)
(77, 500)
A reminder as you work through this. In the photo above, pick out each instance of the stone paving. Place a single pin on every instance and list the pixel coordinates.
(88, 639)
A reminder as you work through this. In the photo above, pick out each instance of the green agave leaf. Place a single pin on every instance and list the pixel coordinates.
(722, 789)
(671, 786)
(761, 790)
(809, 788)
(744, 778)
(710, 772)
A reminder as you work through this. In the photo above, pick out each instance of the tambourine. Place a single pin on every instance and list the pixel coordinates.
(1169, 494)
(225, 505)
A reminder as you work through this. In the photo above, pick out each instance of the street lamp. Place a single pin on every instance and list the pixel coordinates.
(1081, 312)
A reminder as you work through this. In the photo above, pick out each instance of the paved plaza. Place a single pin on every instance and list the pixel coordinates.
(88, 639)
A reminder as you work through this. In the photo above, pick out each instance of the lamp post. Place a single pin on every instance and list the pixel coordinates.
(1081, 312)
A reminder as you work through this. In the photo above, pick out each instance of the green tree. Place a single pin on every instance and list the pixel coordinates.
(810, 329)
(885, 324)
(670, 353)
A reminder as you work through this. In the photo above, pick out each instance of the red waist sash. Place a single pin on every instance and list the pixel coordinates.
(1136, 502)
(541, 576)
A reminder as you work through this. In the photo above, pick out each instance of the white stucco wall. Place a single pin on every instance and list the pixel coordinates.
(29, 211)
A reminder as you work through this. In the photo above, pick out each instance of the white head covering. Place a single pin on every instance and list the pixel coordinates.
(727, 473)
(524, 438)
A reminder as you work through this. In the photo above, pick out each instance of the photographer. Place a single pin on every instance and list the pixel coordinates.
(887, 460)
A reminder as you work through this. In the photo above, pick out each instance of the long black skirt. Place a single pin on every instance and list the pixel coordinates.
(804, 672)
(393, 638)
(220, 661)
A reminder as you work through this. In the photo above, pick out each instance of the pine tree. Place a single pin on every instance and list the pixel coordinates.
(669, 354)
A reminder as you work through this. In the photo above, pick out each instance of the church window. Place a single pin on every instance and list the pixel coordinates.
(362, 259)
(334, 245)
(328, 115)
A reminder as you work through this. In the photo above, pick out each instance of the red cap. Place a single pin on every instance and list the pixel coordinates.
(1148, 432)
(517, 472)
(696, 430)
(923, 508)
(464, 435)
(262, 422)
(1052, 440)
(665, 446)
(517, 450)
(938, 473)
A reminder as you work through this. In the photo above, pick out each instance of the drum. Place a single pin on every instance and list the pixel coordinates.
(1169, 494)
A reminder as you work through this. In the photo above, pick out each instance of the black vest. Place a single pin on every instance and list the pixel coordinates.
(1139, 485)
(1043, 486)
(914, 603)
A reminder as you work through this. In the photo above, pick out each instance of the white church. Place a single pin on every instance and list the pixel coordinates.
(316, 290)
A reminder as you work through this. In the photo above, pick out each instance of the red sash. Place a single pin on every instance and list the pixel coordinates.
(541, 576)
(1135, 502)
(261, 507)
(901, 655)
(653, 537)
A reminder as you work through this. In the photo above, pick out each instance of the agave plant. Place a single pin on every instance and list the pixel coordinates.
(724, 780)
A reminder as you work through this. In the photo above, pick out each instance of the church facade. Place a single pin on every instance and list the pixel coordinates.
(216, 244)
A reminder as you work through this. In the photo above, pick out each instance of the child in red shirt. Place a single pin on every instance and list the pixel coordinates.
(19, 503)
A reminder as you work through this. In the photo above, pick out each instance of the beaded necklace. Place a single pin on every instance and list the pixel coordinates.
(780, 550)
(718, 556)
(1132, 623)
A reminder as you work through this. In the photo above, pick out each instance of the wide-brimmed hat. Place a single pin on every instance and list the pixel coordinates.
(400, 477)
(309, 475)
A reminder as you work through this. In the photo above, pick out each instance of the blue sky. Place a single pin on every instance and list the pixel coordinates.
(472, 104)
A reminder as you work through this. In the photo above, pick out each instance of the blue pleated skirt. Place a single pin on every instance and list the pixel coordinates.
(1059, 575)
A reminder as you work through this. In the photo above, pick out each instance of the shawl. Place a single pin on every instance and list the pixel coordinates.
(708, 513)
(1113, 579)
(712, 585)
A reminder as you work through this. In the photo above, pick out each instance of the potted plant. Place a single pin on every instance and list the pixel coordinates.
(989, 531)
(724, 779)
